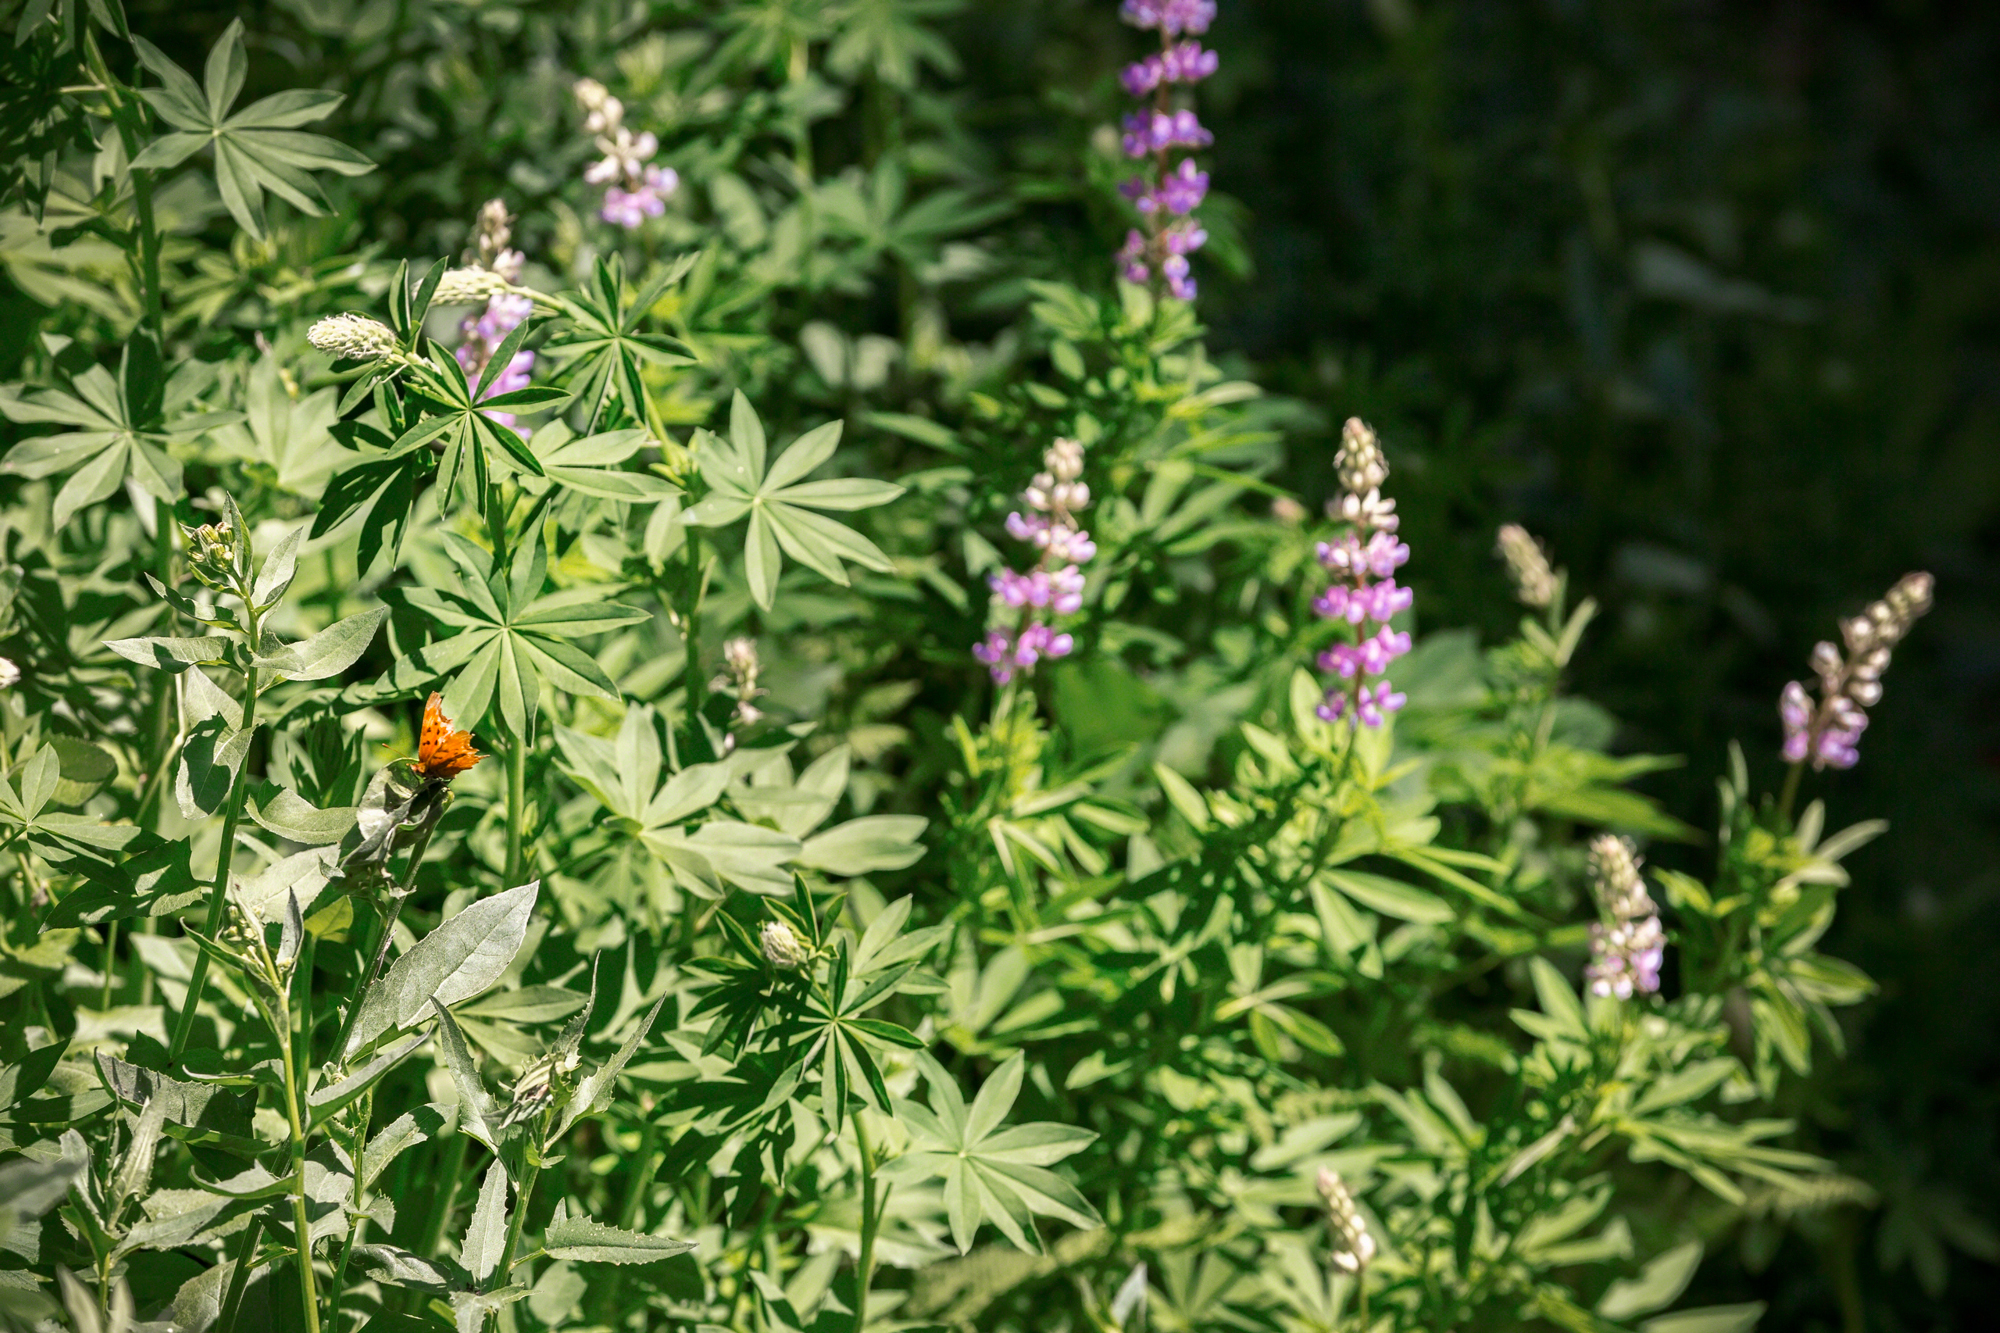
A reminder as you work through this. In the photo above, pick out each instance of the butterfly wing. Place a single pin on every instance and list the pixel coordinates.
(442, 751)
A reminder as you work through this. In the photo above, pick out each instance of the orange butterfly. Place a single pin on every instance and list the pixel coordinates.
(442, 752)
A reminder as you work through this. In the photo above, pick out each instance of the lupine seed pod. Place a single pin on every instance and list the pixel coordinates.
(1528, 564)
(352, 337)
(1353, 1248)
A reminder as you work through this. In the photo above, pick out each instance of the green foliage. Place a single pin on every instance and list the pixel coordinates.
(775, 960)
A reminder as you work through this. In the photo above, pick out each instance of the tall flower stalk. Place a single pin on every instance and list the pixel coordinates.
(1828, 732)
(1364, 593)
(1055, 585)
(1169, 191)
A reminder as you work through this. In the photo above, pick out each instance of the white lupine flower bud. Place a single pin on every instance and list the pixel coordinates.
(1534, 581)
(468, 286)
(10, 674)
(783, 949)
(1360, 463)
(1064, 459)
(1353, 1247)
(352, 337)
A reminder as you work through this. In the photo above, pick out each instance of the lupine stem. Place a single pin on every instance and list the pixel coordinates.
(218, 894)
(359, 1152)
(517, 805)
(301, 1221)
(871, 1219)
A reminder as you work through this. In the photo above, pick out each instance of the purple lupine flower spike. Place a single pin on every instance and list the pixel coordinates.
(634, 190)
(1055, 584)
(1364, 593)
(485, 331)
(1629, 945)
(1829, 733)
(1166, 196)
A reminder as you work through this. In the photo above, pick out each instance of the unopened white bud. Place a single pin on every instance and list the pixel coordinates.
(1534, 580)
(783, 949)
(352, 337)
(468, 286)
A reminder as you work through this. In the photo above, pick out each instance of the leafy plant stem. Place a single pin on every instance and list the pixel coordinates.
(301, 1222)
(358, 1150)
(697, 684)
(871, 1218)
(218, 895)
(384, 932)
(523, 1196)
(517, 804)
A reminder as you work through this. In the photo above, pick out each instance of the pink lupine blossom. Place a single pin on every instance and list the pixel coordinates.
(1364, 593)
(1055, 584)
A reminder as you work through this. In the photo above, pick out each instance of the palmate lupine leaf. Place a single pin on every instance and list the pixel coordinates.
(779, 502)
(258, 148)
(604, 346)
(991, 1173)
(118, 431)
(503, 639)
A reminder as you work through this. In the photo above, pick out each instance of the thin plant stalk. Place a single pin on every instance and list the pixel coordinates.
(358, 1150)
(218, 894)
(517, 805)
(239, 1275)
(871, 1221)
(301, 1221)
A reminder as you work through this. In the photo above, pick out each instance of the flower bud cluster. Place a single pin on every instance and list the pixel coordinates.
(352, 338)
(1169, 193)
(1364, 593)
(1053, 498)
(1353, 1248)
(1528, 565)
(1629, 944)
(211, 553)
(783, 949)
(634, 190)
(739, 678)
(496, 269)
(1829, 733)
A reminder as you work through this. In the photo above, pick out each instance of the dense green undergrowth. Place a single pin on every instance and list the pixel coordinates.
(786, 962)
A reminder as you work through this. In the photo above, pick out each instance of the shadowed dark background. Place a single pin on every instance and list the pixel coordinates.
(1708, 295)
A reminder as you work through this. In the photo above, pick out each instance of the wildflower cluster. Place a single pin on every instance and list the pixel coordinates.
(634, 190)
(505, 308)
(1168, 196)
(1626, 954)
(1364, 592)
(1829, 734)
(1055, 584)
(1353, 1248)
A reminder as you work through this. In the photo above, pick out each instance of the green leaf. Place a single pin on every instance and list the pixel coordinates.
(1391, 897)
(456, 961)
(584, 1241)
(482, 1251)
(329, 652)
(873, 842)
(1658, 1285)
(258, 148)
(1709, 1319)
(780, 518)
